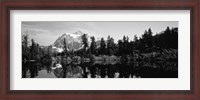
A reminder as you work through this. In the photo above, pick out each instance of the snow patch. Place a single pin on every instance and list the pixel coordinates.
(72, 35)
(58, 49)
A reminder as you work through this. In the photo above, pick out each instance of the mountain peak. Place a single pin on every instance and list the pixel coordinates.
(74, 35)
(73, 40)
(78, 33)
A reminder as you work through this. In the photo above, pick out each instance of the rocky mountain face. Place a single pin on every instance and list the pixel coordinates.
(73, 41)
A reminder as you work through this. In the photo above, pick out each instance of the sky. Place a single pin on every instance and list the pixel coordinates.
(46, 32)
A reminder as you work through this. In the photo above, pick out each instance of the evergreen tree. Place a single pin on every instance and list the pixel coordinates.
(25, 48)
(33, 49)
(110, 46)
(93, 45)
(65, 46)
(174, 38)
(120, 47)
(102, 49)
(125, 45)
(150, 38)
(135, 43)
(84, 42)
(135, 38)
(146, 41)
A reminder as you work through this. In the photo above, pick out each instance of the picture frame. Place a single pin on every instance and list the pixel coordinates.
(192, 5)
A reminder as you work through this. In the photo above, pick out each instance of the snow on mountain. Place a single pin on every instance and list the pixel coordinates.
(73, 41)
(57, 49)
(76, 34)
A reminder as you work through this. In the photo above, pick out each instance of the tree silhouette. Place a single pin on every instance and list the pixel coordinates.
(84, 42)
(65, 46)
(25, 48)
(33, 49)
(110, 46)
(120, 47)
(102, 49)
(93, 45)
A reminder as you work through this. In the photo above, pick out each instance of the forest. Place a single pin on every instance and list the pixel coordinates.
(148, 47)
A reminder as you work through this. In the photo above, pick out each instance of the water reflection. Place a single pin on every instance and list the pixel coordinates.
(100, 70)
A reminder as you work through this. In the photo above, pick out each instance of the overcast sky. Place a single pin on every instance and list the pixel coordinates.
(45, 33)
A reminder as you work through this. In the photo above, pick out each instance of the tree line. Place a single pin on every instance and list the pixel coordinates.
(33, 51)
(167, 39)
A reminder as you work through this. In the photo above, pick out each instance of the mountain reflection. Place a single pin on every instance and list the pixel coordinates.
(102, 70)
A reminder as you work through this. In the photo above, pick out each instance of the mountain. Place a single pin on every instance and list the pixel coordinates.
(73, 41)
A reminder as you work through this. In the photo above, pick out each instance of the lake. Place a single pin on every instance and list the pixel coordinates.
(134, 69)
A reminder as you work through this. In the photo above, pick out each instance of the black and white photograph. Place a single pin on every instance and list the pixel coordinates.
(99, 49)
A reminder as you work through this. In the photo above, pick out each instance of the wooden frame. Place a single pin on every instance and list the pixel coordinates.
(192, 5)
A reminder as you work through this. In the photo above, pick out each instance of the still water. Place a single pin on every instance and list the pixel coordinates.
(101, 70)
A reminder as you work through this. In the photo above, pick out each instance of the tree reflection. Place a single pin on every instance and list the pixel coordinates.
(103, 70)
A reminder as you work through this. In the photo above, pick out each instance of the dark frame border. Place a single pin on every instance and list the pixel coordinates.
(94, 91)
(6, 6)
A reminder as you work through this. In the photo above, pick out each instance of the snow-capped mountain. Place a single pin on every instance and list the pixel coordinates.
(73, 41)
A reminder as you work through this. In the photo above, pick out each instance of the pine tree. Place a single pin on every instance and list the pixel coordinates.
(93, 45)
(120, 47)
(102, 49)
(65, 46)
(84, 42)
(33, 49)
(25, 48)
